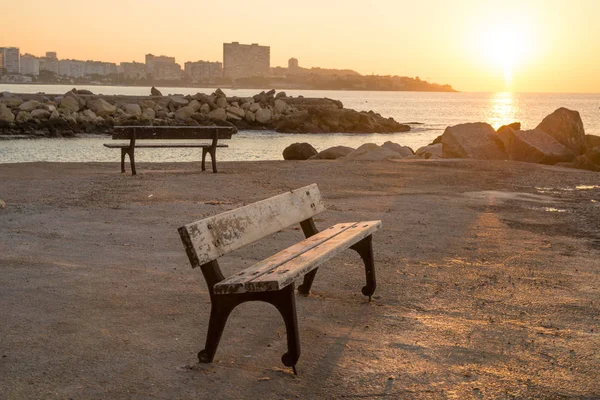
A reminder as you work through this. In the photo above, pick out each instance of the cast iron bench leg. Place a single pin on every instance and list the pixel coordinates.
(204, 151)
(222, 305)
(365, 249)
(123, 152)
(132, 161)
(213, 157)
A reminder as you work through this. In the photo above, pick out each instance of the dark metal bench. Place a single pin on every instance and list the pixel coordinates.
(271, 280)
(135, 133)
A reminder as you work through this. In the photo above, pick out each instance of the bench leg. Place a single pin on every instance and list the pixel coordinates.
(132, 161)
(123, 152)
(285, 302)
(365, 249)
(222, 305)
(220, 310)
(204, 151)
(304, 289)
(213, 157)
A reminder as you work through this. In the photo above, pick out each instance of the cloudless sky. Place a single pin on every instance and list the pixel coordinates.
(474, 45)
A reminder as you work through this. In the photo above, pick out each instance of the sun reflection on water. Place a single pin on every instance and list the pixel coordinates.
(503, 109)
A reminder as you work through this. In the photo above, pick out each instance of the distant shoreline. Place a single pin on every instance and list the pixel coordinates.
(229, 87)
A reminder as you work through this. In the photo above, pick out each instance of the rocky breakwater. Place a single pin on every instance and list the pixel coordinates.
(80, 111)
(559, 140)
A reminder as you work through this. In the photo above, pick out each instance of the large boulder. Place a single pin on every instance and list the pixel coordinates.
(515, 126)
(5, 114)
(580, 162)
(333, 153)
(474, 140)
(372, 152)
(23, 116)
(534, 146)
(431, 151)
(69, 103)
(40, 114)
(11, 101)
(263, 116)
(566, 127)
(218, 114)
(592, 141)
(593, 155)
(299, 151)
(132, 109)
(29, 105)
(178, 101)
(184, 113)
(101, 107)
(280, 106)
(404, 151)
(238, 112)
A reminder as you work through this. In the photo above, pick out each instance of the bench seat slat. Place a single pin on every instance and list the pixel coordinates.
(139, 145)
(285, 273)
(237, 281)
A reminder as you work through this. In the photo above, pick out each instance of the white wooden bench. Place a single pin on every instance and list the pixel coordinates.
(271, 280)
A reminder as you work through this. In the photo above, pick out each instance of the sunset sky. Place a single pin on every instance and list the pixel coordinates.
(474, 45)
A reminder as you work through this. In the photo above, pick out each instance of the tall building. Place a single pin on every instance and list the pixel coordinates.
(71, 68)
(245, 60)
(50, 62)
(153, 61)
(30, 65)
(133, 70)
(203, 70)
(99, 68)
(293, 64)
(166, 71)
(11, 59)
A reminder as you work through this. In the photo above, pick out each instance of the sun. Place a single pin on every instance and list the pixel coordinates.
(505, 47)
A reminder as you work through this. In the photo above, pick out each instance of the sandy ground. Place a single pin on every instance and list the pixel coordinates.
(488, 284)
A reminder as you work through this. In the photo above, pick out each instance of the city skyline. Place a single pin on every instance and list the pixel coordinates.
(538, 46)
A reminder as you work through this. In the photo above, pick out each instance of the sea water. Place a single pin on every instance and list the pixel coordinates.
(428, 113)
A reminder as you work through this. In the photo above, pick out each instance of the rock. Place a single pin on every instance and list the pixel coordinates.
(515, 126)
(436, 140)
(205, 108)
(195, 105)
(254, 107)
(90, 115)
(101, 107)
(132, 109)
(83, 91)
(534, 146)
(197, 116)
(371, 152)
(264, 116)
(23, 116)
(333, 153)
(178, 101)
(592, 141)
(147, 104)
(221, 102)
(280, 106)
(184, 113)
(238, 112)
(149, 113)
(40, 114)
(299, 151)
(12, 101)
(473, 140)
(594, 154)
(69, 103)
(218, 115)
(54, 116)
(162, 114)
(219, 93)
(5, 114)
(431, 151)
(155, 92)
(250, 117)
(566, 127)
(580, 162)
(232, 117)
(29, 105)
(404, 151)
(280, 95)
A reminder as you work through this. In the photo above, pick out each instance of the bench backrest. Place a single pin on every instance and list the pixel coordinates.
(210, 238)
(171, 132)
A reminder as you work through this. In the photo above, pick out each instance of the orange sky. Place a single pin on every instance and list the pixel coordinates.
(474, 45)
